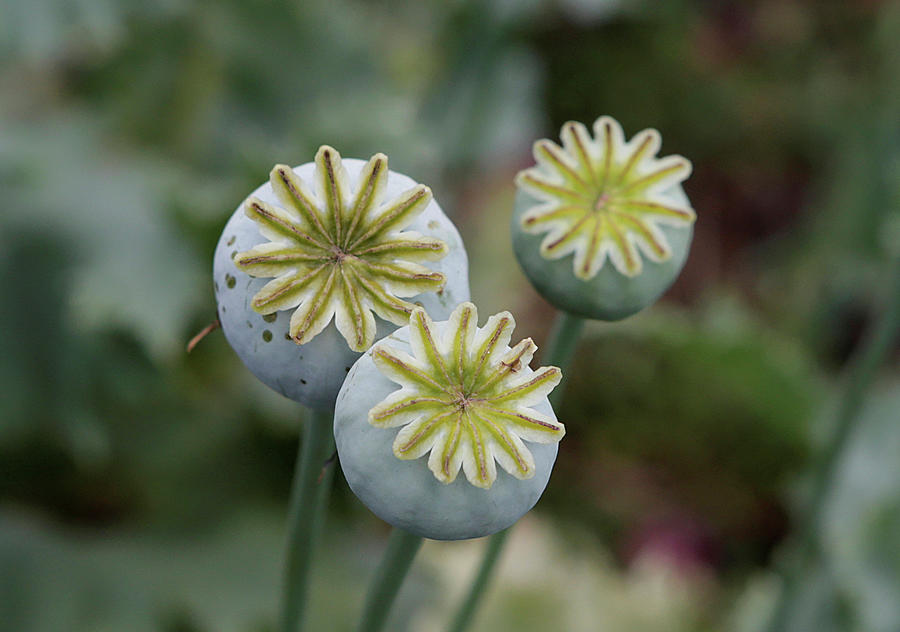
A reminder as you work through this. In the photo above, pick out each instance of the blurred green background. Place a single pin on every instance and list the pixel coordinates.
(145, 489)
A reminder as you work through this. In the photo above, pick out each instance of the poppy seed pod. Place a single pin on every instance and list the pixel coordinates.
(615, 207)
(462, 396)
(323, 260)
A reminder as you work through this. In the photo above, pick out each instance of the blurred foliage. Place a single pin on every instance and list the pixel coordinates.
(862, 530)
(559, 579)
(689, 429)
(223, 578)
(855, 584)
(144, 489)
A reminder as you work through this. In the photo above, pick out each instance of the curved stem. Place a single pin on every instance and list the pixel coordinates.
(306, 512)
(398, 558)
(860, 375)
(558, 351)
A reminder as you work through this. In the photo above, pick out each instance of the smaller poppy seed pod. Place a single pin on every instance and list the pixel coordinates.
(323, 260)
(462, 396)
(613, 205)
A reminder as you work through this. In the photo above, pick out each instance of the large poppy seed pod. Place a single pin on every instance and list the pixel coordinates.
(616, 208)
(460, 395)
(323, 260)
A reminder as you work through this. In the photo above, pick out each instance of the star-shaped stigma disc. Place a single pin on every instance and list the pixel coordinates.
(339, 250)
(466, 397)
(604, 197)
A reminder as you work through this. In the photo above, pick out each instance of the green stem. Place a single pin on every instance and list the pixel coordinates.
(398, 558)
(467, 610)
(559, 350)
(860, 375)
(560, 347)
(309, 497)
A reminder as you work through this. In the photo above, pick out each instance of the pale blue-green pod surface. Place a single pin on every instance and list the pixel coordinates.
(406, 493)
(609, 295)
(601, 225)
(312, 373)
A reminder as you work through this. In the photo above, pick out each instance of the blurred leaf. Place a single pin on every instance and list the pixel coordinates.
(47, 30)
(134, 271)
(855, 583)
(862, 533)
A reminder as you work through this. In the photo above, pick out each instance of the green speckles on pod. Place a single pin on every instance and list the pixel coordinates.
(611, 204)
(467, 401)
(401, 233)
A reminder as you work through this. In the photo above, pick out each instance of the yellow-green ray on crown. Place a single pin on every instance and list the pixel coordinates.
(340, 251)
(604, 197)
(466, 397)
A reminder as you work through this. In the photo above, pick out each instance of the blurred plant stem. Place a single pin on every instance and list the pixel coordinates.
(398, 558)
(861, 373)
(467, 610)
(559, 351)
(561, 346)
(309, 498)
